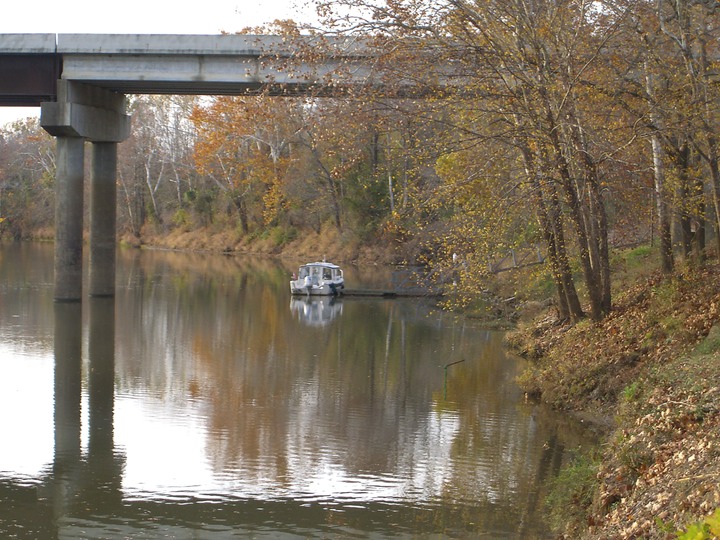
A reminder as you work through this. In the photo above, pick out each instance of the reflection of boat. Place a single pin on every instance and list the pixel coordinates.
(318, 278)
(316, 311)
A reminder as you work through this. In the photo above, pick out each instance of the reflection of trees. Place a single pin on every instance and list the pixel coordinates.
(26, 315)
(299, 420)
(353, 409)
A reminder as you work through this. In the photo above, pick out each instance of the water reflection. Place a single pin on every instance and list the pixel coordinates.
(316, 310)
(200, 406)
(84, 484)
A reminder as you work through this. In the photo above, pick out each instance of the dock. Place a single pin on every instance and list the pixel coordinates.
(369, 292)
(406, 283)
(387, 293)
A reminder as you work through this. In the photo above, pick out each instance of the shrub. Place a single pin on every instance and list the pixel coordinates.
(703, 530)
(282, 235)
(571, 494)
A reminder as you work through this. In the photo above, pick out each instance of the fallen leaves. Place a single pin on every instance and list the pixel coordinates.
(678, 433)
(661, 467)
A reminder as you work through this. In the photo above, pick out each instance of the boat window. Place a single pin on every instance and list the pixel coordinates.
(327, 274)
(303, 272)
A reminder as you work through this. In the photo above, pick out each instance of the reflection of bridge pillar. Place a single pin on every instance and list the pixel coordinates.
(101, 378)
(81, 113)
(95, 483)
(68, 388)
(103, 481)
(68, 394)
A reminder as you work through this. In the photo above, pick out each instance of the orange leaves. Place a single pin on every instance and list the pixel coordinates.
(244, 144)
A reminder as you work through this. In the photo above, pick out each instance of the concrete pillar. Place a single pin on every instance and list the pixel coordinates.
(85, 113)
(103, 195)
(69, 218)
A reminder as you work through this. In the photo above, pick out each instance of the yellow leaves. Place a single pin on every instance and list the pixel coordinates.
(243, 142)
(273, 202)
(450, 166)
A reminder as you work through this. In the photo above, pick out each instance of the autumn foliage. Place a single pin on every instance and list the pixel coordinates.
(471, 130)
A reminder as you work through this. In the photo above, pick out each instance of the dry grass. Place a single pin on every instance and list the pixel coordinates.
(329, 243)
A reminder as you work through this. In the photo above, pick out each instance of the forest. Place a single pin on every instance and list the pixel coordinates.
(569, 127)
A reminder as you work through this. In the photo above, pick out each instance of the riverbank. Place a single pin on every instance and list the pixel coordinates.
(328, 243)
(650, 372)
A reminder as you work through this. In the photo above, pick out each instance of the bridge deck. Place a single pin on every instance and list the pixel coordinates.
(232, 64)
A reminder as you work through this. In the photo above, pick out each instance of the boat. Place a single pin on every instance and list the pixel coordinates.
(318, 278)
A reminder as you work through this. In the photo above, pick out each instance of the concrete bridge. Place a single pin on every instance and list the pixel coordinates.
(80, 82)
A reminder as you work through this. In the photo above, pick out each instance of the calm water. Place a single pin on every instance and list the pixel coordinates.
(202, 402)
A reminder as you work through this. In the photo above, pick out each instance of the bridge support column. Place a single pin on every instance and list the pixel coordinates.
(69, 218)
(103, 196)
(85, 113)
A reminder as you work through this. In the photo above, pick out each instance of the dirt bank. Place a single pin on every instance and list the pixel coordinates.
(653, 368)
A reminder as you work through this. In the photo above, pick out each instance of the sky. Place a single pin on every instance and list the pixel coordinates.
(140, 17)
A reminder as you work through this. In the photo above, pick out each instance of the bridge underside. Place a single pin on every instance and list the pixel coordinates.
(28, 79)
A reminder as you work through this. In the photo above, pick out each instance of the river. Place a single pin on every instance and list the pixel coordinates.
(203, 402)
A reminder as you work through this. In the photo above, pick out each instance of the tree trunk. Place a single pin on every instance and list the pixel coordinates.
(332, 189)
(391, 189)
(684, 198)
(715, 190)
(592, 278)
(152, 190)
(564, 270)
(712, 145)
(550, 220)
(667, 262)
(596, 217)
(698, 221)
(239, 202)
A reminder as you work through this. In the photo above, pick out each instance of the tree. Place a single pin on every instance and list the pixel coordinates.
(525, 68)
(27, 173)
(673, 107)
(244, 146)
(155, 164)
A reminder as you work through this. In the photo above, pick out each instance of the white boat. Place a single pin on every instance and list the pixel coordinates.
(318, 278)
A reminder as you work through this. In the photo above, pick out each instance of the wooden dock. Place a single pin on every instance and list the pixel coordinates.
(386, 293)
(408, 282)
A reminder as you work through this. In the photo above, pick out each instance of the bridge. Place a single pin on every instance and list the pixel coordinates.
(80, 83)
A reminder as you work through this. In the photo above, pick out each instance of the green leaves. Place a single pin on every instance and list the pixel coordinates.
(704, 530)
